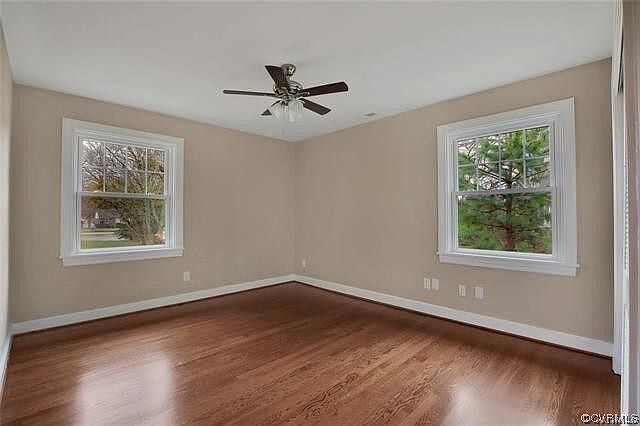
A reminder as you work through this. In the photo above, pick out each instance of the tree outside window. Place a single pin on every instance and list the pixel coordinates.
(123, 195)
(504, 192)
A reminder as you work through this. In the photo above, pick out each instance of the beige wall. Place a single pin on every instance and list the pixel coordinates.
(238, 206)
(366, 209)
(364, 201)
(6, 89)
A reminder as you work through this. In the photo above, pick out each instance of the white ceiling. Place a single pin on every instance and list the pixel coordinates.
(176, 57)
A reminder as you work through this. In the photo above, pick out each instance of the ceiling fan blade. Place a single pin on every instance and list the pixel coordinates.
(244, 92)
(325, 89)
(277, 74)
(317, 108)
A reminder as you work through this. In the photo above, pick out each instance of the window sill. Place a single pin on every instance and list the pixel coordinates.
(543, 266)
(88, 258)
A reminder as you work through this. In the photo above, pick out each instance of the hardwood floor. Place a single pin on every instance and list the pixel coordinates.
(296, 354)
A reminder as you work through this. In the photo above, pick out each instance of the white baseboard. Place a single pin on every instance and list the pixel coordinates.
(4, 358)
(551, 336)
(545, 335)
(76, 317)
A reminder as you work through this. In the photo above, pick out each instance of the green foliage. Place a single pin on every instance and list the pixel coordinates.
(514, 221)
(89, 244)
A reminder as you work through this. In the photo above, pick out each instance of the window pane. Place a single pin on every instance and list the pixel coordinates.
(92, 153)
(156, 160)
(512, 174)
(92, 179)
(156, 183)
(136, 183)
(537, 142)
(467, 151)
(114, 180)
(489, 149)
(489, 176)
(467, 178)
(115, 155)
(538, 172)
(136, 158)
(509, 222)
(121, 222)
(512, 145)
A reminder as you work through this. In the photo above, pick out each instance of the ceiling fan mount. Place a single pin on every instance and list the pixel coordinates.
(292, 88)
(289, 69)
(291, 94)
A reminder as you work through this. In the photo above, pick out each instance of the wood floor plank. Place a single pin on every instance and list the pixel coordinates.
(298, 355)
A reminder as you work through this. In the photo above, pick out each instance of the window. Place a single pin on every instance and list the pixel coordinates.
(507, 190)
(121, 194)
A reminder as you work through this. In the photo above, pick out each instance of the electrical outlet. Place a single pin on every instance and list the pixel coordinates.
(435, 284)
(186, 276)
(479, 292)
(427, 284)
(304, 263)
(462, 290)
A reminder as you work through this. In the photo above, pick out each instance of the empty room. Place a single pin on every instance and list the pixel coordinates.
(327, 213)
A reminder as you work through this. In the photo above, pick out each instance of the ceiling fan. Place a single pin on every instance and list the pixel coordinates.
(291, 94)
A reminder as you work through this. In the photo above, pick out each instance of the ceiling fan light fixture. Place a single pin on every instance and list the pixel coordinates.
(294, 110)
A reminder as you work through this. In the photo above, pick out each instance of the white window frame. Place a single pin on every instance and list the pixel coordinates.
(70, 252)
(559, 116)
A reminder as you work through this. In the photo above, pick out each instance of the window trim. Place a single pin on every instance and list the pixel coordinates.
(70, 254)
(559, 116)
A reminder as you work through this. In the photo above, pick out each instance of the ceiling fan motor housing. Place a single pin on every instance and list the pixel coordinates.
(292, 88)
